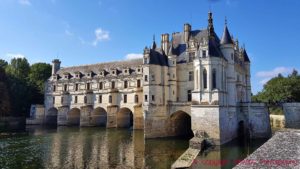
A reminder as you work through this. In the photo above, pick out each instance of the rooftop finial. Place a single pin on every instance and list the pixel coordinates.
(154, 44)
(210, 24)
(225, 20)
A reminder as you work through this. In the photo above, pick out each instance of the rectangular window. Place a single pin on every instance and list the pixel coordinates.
(136, 98)
(189, 95)
(100, 99)
(146, 98)
(125, 84)
(146, 78)
(54, 88)
(110, 99)
(153, 98)
(88, 86)
(65, 87)
(191, 56)
(101, 85)
(75, 99)
(152, 77)
(112, 84)
(191, 76)
(204, 53)
(76, 87)
(138, 83)
(62, 100)
(53, 100)
(125, 98)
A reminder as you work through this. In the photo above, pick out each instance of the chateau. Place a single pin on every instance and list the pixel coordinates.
(194, 83)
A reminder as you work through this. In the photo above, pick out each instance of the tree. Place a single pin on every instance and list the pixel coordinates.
(3, 64)
(4, 96)
(280, 89)
(19, 68)
(39, 73)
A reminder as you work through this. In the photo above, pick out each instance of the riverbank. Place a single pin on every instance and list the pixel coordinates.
(9, 125)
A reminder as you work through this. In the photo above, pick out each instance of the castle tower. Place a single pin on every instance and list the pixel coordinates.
(248, 75)
(227, 48)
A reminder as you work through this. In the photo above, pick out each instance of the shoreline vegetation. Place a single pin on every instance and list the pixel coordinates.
(21, 85)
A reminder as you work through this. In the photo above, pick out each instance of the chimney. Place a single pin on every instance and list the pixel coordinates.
(165, 42)
(187, 30)
(55, 66)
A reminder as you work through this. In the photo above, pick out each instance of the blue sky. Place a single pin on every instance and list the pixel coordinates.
(90, 31)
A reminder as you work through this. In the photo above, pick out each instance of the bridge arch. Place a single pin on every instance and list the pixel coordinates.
(51, 116)
(181, 124)
(73, 117)
(124, 118)
(99, 117)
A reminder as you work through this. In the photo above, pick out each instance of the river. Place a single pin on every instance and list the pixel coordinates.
(73, 147)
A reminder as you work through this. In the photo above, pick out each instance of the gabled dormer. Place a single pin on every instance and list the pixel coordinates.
(139, 70)
(126, 71)
(66, 75)
(78, 75)
(55, 77)
(89, 74)
(103, 73)
(113, 72)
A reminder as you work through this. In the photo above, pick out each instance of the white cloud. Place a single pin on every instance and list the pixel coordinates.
(133, 56)
(10, 56)
(101, 35)
(267, 75)
(25, 2)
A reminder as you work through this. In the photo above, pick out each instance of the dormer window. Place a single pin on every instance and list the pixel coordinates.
(77, 75)
(139, 70)
(66, 76)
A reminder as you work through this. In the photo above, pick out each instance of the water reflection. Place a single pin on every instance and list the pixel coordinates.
(228, 155)
(67, 147)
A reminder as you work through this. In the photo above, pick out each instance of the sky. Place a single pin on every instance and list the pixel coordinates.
(90, 31)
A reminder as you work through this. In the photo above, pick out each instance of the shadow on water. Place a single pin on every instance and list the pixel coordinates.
(228, 155)
(75, 147)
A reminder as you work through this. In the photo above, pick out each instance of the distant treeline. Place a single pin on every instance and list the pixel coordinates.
(280, 89)
(21, 85)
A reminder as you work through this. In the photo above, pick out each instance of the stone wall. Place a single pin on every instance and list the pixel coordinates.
(259, 120)
(292, 115)
(277, 121)
(37, 115)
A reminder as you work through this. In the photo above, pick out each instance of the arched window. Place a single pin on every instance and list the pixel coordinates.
(214, 79)
(204, 79)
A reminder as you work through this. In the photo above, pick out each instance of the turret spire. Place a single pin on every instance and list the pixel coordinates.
(210, 24)
(153, 44)
(226, 38)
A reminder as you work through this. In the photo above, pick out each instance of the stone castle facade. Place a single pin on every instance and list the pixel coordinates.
(193, 83)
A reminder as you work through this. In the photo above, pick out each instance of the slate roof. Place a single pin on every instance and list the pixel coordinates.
(246, 58)
(158, 57)
(226, 38)
(96, 68)
(178, 46)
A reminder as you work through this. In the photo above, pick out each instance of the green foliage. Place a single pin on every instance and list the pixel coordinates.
(280, 89)
(39, 73)
(3, 64)
(25, 85)
(4, 96)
